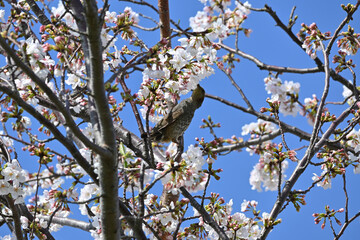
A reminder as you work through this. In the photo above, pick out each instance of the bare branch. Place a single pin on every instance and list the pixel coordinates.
(252, 142)
(164, 15)
(69, 222)
(264, 66)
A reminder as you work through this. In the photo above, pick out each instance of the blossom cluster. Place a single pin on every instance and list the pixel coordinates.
(268, 173)
(336, 162)
(348, 44)
(329, 214)
(12, 178)
(236, 225)
(256, 130)
(188, 174)
(311, 37)
(285, 94)
(220, 27)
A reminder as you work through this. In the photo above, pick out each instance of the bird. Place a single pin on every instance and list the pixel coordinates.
(173, 125)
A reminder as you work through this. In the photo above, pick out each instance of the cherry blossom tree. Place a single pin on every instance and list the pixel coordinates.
(66, 68)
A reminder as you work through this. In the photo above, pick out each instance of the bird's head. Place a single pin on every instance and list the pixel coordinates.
(198, 96)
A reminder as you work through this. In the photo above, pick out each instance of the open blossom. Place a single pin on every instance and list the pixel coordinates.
(34, 48)
(236, 225)
(193, 157)
(70, 21)
(133, 15)
(200, 22)
(155, 72)
(73, 80)
(357, 169)
(346, 94)
(26, 121)
(89, 131)
(256, 129)
(24, 82)
(311, 49)
(354, 140)
(290, 109)
(259, 127)
(220, 30)
(7, 141)
(24, 222)
(48, 61)
(13, 172)
(243, 9)
(5, 187)
(86, 193)
(180, 58)
(154, 118)
(220, 26)
(110, 17)
(77, 107)
(224, 4)
(325, 183)
(2, 15)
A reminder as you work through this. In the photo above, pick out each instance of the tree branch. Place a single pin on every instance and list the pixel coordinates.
(164, 15)
(38, 12)
(263, 66)
(207, 218)
(16, 218)
(108, 162)
(252, 142)
(68, 222)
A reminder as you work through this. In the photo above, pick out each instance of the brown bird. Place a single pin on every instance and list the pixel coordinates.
(175, 123)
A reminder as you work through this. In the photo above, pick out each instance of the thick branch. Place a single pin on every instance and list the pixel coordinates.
(108, 162)
(16, 218)
(38, 12)
(68, 222)
(164, 19)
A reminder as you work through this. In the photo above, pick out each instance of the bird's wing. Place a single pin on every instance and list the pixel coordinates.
(170, 118)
